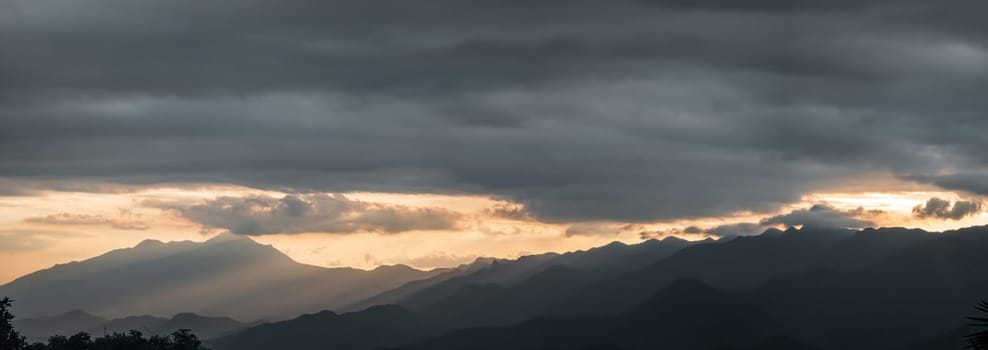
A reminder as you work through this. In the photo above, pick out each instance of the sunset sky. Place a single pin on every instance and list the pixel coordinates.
(433, 132)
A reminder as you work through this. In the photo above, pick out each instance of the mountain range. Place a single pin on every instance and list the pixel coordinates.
(72, 322)
(799, 289)
(809, 288)
(227, 275)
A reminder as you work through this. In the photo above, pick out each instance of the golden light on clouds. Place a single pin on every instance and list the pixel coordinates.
(55, 227)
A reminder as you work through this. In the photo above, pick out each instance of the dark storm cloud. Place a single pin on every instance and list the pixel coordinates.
(580, 110)
(971, 181)
(257, 215)
(942, 209)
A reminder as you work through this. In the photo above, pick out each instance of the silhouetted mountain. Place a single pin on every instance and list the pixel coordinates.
(400, 293)
(526, 285)
(39, 329)
(376, 327)
(145, 324)
(740, 263)
(618, 256)
(498, 272)
(690, 313)
(916, 292)
(72, 322)
(921, 291)
(493, 304)
(798, 289)
(871, 245)
(686, 315)
(227, 275)
(204, 326)
(598, 262)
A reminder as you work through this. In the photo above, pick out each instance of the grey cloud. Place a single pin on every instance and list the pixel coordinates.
(740, 229)
(580, 110)
(971, 181)
(726, 230)
(591, 229)
(820, 215)
(11, 242)
(511, 211)
(942, 209)
(257, 215)
(125, 220)
(670, 232)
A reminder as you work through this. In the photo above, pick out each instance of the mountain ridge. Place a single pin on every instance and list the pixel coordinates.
(219, 276)
(75, 321)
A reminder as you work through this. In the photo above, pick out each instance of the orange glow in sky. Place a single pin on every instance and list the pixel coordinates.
(57, 227)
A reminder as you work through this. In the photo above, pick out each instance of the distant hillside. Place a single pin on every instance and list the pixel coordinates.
(601, 261)
(687, 314)
(746, 262)
(228, 275)
(920, 292)
(796, 289)
(39, 329)
(373, 328)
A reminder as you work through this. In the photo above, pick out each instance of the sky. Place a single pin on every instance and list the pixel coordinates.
(433, 132)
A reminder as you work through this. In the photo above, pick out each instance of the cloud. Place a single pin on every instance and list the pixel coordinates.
(579, 110)
(591, 229)
(671, 232)
(428, 261)
(942, 209)
(969, 181)
(21, 241)
(820, 215)
(726, 230)
(324, 213)
(125, 220)
(739, 229)
(511, 211)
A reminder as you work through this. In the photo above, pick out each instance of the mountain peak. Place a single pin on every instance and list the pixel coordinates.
(147, 243)
(772, 232)
(227, 237)
(184, 316)
(672, 239)
(77, 313)
(393, 268)
(229, 275)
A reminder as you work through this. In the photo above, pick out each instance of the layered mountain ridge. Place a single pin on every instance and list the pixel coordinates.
(228, 275)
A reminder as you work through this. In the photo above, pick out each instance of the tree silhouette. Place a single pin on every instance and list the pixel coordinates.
(9, 338)
(184, 340)
(979, 339)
